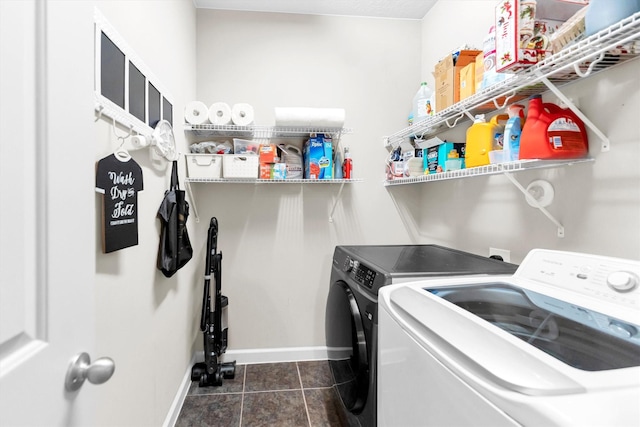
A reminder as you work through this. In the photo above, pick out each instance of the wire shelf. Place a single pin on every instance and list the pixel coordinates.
(261, 132)
(493, 169)
(609, 47)
(272, 181)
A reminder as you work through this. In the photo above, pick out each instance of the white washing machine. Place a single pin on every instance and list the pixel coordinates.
(555, 344)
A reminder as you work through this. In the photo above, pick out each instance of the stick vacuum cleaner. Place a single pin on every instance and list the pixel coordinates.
(211, 371)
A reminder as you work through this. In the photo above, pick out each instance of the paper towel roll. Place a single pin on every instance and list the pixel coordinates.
(196, 113)
(313, 117)
(242, 114)
(220, 113)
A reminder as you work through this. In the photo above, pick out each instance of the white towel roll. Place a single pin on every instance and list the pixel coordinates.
(220, 113)
(304, 116)
(242, 114)
(196, 113)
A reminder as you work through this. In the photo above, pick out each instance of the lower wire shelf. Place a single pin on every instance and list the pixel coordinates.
(493, 169)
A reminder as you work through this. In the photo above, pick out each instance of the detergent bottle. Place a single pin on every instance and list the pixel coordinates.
(483, 137)
(512, 131)
(551, 132)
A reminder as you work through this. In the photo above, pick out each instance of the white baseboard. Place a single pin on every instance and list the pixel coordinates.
(243, 357)
(176, 405)
(273, 355)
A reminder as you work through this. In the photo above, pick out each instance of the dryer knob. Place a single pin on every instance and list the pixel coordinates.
(348, 265)
(622, 281)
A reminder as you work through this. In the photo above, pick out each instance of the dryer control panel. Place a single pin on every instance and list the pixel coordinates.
(360, 272)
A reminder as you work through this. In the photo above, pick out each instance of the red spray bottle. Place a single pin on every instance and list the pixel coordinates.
(551, 132)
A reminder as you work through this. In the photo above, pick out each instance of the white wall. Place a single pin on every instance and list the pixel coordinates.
(598, 203)
(276, 240)
(146, 322)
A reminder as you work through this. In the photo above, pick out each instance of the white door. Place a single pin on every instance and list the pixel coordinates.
(47, 245)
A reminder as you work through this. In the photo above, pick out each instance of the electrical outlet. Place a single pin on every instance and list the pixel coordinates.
(504, 253)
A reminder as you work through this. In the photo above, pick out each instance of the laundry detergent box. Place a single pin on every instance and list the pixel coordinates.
(318, 155)
(438, 155)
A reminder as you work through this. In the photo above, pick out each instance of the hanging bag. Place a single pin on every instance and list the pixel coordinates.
(175, 248)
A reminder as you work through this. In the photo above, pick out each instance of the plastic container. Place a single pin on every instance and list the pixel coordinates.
(481, 139)
(604, 13)
(292, 157)
(512, 132)
(347, 166)
(551, 132)
(423, 103)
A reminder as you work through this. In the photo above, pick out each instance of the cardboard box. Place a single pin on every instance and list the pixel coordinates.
(447, 75)
(318, 157)
(521, 41)
(479, 72)
(467, 80)
(268, 153)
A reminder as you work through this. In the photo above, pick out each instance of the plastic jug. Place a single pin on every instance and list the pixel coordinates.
(292, 157)
(551, 132)
(604, 13)
(481, 138)
(512, 132)
(422, 103)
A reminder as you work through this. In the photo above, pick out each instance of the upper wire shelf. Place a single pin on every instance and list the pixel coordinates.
(612, 46)
(273, 181)
(262, 132)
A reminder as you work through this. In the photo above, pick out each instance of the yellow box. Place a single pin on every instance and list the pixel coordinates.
(467, 80)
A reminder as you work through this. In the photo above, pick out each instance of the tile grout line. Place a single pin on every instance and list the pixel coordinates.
(304, 399)
(244, 382)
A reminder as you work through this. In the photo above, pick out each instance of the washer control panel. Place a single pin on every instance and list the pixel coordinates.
(613, 280)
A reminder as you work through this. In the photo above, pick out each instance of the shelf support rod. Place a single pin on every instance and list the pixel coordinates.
(535, 203)
(606, 144)
(193, 201)
(335, 203)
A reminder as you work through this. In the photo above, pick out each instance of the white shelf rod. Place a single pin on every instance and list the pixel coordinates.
(193, 201)
(533, 201)
(335, 203)
(606, 144)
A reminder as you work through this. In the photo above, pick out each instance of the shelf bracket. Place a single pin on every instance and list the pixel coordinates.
(606, 144)
(193, 201)
(534, 202)
(506, 100)
(457, 118)
(335, 203)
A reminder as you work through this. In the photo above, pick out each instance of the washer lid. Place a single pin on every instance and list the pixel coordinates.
(579, 337)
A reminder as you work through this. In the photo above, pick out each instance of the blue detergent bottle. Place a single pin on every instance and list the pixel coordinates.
(512, 132)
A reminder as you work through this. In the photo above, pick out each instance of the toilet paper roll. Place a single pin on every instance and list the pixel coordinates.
(304, 116)
(242, 114)
(220, 113)
(196, 113)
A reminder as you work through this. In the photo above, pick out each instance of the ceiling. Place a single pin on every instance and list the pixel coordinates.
(403, 9)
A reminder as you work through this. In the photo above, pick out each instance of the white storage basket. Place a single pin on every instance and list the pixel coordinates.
(240, 166)
(204, 165)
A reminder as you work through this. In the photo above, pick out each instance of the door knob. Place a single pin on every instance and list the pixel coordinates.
(81, 368)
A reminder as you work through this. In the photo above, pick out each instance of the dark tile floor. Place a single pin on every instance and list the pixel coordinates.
(292, 394)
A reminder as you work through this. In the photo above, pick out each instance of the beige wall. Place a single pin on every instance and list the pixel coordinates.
(598, 203)
(276, 239)
(146, 322)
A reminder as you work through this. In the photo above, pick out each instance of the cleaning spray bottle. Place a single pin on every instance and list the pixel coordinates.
(512, 131)
(347, 166)
(481, 138)
(551, 132)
